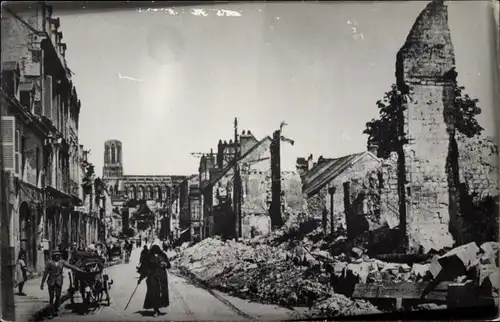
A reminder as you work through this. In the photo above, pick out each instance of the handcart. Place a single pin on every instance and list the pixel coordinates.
(93, 286)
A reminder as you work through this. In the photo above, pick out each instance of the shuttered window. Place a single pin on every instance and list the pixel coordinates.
(18, 143)
(8, 143)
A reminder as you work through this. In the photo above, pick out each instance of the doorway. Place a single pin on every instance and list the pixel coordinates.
(28, 233)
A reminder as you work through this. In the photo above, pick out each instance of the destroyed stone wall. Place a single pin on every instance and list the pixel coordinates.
(422, 65)
(321, 201)
(478, 161)
(364, 196)
(256, 225)
(293, 198)
(389, 198)
(256, 188)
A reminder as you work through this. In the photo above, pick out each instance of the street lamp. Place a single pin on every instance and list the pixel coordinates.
(331, 191)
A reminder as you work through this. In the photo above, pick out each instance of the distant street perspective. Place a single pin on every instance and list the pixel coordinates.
(264, 162)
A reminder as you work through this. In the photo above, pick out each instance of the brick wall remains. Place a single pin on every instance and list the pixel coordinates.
(389, 198)
(321, 201)
(479, 164)
(422, 64)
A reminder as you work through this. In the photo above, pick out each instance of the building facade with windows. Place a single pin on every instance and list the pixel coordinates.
(40, 114)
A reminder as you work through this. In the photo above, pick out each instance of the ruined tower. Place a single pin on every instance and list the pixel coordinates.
(425, 69)
(112, 170)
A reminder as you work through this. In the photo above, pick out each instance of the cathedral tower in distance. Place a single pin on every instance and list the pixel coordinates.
(113, 161)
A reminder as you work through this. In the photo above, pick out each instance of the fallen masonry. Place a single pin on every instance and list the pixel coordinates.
(300, 273)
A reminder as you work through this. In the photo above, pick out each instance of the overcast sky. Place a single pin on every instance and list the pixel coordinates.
(170, 82)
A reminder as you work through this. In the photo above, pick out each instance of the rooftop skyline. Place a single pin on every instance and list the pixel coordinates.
(170, 82)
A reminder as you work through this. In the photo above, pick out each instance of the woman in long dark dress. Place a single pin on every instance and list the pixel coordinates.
(154, 270)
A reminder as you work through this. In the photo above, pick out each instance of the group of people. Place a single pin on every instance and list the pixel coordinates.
(153, 265)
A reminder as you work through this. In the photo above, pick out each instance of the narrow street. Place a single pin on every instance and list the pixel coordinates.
(187, 302)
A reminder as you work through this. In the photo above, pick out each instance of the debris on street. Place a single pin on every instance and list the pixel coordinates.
(308, 271)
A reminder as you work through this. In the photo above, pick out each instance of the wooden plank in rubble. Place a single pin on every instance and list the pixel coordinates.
(399, 291)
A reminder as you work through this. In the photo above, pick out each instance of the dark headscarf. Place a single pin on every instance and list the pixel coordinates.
(22, 254)
(155, 249)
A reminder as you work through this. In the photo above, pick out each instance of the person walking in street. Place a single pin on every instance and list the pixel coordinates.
(154, 270)
(21, 272)
(53, 274)
(127, 249)
(165, 246)
(143, 257)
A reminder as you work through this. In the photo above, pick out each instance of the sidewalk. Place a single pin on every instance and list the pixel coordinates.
(37, 301)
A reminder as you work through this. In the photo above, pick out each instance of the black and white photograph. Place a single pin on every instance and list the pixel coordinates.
(249, 161)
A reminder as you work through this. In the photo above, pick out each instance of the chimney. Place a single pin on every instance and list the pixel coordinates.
(220, 154)
(373, 148)
(247, 141)
(209, 161)
(302, 167)
(310, 162)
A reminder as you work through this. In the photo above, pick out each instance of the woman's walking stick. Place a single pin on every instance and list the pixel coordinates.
(131, 296)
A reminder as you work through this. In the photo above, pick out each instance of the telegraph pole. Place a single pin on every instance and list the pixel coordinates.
(237, 183)
(275, 208)
(8, 312)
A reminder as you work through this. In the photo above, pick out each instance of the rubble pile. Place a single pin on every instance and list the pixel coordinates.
(284, 275)
(340, 305)
(304, 272)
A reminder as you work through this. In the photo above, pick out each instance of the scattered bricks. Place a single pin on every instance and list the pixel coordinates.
(458, 261)
(324, 279)
(357, 252)
(338, 268)
(493, 281)
(420, 271)
(489, 258)
(435, 267)
(485, 271)
(404, 268)
(490, 249)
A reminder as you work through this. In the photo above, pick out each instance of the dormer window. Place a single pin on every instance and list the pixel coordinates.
(10, 78)
(26, 95)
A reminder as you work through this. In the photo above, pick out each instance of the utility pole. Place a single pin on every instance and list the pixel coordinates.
(237, 183)
(8, 312)
(275, 208)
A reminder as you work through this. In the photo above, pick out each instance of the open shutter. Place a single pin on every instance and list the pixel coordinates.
(17, 165)
(47, 97)
(8, 142)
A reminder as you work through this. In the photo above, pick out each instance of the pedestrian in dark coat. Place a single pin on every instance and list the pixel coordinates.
(155, 273)
(54, 276)
(144, 254)
(143, 258)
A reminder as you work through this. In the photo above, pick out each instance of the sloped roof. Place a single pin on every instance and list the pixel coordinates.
(230, 165)
(329, 169)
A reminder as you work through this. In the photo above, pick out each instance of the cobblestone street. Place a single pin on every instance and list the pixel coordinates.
(187, 302)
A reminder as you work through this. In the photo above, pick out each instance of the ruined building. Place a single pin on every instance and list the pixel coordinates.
(425, 70)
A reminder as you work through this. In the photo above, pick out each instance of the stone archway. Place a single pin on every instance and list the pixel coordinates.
(27, 233)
